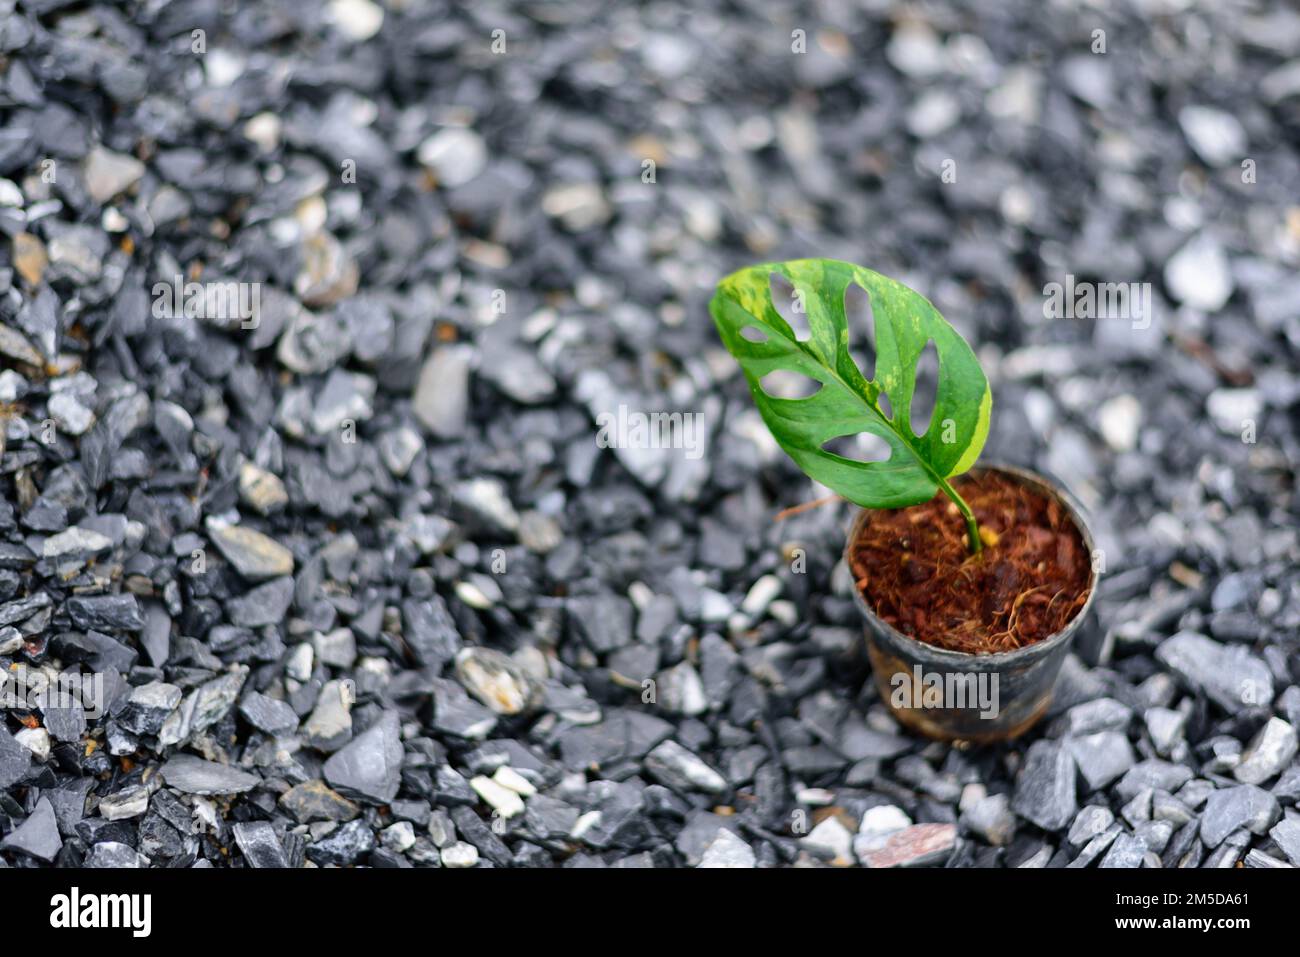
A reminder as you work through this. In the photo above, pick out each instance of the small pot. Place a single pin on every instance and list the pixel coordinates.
(1005, 693)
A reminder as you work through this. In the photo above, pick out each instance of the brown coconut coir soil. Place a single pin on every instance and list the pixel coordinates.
(913, 567)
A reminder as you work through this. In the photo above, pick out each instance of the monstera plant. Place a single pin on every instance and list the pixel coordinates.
(940, 607)
(847, 402)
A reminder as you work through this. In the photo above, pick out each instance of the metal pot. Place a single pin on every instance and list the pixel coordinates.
(983, 697)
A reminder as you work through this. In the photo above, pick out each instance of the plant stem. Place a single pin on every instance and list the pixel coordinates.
(972, 529)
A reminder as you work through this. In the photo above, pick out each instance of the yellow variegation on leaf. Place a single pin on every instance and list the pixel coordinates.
(847, 403)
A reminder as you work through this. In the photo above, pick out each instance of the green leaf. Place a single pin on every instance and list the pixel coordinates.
(847, 403)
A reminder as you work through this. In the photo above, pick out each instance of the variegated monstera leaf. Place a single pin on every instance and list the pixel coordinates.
(846, 402)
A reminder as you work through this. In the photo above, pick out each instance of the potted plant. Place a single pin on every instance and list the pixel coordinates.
(972, 581)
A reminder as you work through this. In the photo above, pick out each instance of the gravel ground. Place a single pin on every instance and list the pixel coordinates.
(359, 582)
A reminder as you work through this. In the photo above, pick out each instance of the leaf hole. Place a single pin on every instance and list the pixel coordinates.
(862, 328)
(926, 391)
(753, 334)
(863, 447)
(784, 384)
(886, 406)
(791, 305)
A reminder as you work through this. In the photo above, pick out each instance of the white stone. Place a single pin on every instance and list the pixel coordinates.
(260, 489)
(934, 112)
(124, 805)
(1217, 137)
(504, 801)
(75, 540)
(760, 595)
(578, 206)
(1198, 274)
(399, 837)
(454, 155)
(35, 740)
(69, 414)
(833, 840)
(914, 49)
(264, 130)
(358, 19)
(108, 173)
(511, 779)
(10, 194)
(441, 397)
(877, 824)
(460, 854)
(584, 824)
(472, 595)
(1232, 408)
(222, 67)
(299, 664)
(12, 385)
(1119, 420)
(1268, 754)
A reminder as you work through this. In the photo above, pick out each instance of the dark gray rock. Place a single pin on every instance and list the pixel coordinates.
(430, 631)
(1152, 774)
(191, 775)
(1045, 792)
(346, 845)
(1286, 834)
(480, 836)
(1101, 757)
(674, 766)
(369, 767)
(1229, 675)
(264, 605)
(15, 760)
(1230, 809)
(114, 855)
(1090, 822)
(455, 713)
(604, 621)
(1126, 851)
(624, 735)
(149, 706)
(37, 836)
(105, 612)
(260, 844)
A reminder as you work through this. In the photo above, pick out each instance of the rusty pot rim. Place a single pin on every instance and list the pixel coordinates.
(1038, 649)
